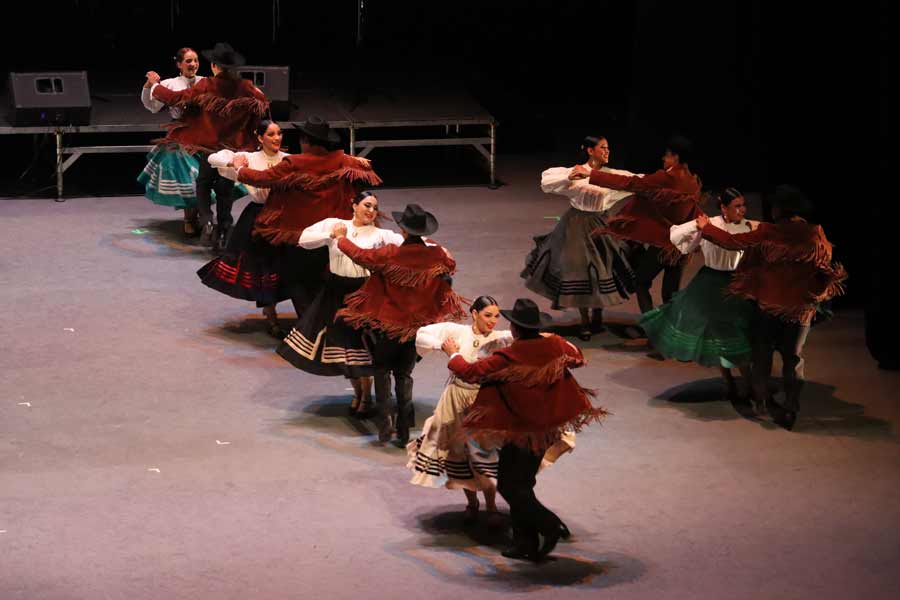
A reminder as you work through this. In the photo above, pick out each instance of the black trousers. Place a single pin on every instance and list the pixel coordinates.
(768, 335)
(645, 262)
(209, 180)
(390, 356)
(516, 479)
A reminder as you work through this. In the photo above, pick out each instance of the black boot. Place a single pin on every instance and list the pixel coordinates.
(384, 405)
(405, 412)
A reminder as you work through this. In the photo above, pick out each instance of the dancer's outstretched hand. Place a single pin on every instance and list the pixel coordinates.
(239, 160)
(152, 78)
(450, 346)
(579, 172)
(339, 230)
(702, 221)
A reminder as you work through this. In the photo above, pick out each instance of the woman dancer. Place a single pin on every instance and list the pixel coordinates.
(701, 323)
(567, 266)
(248, 269)
(319, 344)
(170, 177)
(442, 455)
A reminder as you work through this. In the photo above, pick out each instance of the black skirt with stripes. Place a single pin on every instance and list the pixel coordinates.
(575, 270)
(321, 345)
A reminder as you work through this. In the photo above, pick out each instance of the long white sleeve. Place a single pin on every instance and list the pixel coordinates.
(431, 337)
(504, 338)
(317, 234)
(389, 237)
(556, 180)
(686, 237)
(221, 159)
(149, 102)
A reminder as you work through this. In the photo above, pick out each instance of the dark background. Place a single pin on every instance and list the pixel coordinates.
(771, 92)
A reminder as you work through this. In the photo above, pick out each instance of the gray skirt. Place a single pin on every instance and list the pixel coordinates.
(575, 270)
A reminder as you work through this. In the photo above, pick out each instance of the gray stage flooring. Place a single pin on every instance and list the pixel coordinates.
(152, 445)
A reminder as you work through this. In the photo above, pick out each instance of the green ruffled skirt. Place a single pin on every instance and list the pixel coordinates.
(702, 324)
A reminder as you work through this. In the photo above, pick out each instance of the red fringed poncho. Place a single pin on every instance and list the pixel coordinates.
(407, 289)
(786, 268)
(528, 396)
(662, 199)
(307, 188)
(219, 112)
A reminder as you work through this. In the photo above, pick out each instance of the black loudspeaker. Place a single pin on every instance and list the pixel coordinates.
(275, 83)
(60, 98)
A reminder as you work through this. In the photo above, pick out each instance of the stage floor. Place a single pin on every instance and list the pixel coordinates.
(154, 446)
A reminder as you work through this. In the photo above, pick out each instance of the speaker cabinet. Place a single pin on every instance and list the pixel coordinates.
(59, 98)
(275, 83)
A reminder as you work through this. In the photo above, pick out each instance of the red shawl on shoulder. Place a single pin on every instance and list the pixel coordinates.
(219, 112)
(307, 188)
(787, 268)
(528, 395)
(407, 289)
(661, 199)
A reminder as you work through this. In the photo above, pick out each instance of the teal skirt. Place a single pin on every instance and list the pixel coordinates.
(702, 324)
(170, 178)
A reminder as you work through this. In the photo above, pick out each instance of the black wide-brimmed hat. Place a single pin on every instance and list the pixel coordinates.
(415, 220)
(224, 56)
(790, 200)
(319, 129)
(525, 313)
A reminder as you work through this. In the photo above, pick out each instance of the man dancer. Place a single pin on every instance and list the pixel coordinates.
(787, 269)
(528, 400)
(408, 289)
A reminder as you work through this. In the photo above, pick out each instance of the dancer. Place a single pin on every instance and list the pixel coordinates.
(409, 288)
(645, 218)
(787, 270)
(248, 268)
(306, 188)
(223, 114)
(442, 455)
(567, 266)
(321, 344)
(527, 400)
(702, 324)
(169, 179)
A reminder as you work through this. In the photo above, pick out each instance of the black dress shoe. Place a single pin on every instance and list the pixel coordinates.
(206, 234)
(584, 334)
(782, 416)
(276, 331)
(549, 544)
(786, 419)
(224, 233)
(519, 554)
(403, 434)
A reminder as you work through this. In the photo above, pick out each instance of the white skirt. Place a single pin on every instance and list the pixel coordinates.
(442, 456)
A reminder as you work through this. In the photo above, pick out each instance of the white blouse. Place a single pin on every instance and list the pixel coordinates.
(686, 237)
(472, 346)
(581, 194)
(176, 84)
(368, 237)
(258, 160)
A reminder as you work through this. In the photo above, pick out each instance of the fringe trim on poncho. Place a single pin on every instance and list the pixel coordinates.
(743, 285)
(225, 107)
(536, 441)
(306, 181)
(451, 310)
(786, 249)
